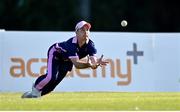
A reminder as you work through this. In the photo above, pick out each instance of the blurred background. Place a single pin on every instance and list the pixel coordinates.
(104, 15)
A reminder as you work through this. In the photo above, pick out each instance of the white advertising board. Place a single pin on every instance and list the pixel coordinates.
(1, 35)
(138, 61)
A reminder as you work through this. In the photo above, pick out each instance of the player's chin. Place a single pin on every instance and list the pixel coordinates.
(87, 37)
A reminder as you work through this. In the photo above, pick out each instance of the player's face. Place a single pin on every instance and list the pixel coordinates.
(83, 33)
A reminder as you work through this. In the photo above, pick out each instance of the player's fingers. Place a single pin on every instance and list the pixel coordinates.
(100, 59)
(88, 59)
(104, 62)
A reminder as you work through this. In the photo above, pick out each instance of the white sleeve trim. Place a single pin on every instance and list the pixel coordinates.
(74, 57)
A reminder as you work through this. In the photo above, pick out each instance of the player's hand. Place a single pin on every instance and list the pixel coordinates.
(101, 62)
(92, 66)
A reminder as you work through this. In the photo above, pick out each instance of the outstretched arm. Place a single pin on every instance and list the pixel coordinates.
(97, 62)
(80, 64)
(91, 62)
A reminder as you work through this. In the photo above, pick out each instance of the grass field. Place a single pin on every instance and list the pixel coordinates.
(94, 101)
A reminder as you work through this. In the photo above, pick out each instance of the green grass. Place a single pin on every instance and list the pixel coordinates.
(93, 101)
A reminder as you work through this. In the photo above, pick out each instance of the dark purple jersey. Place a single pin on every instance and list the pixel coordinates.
(70, 48)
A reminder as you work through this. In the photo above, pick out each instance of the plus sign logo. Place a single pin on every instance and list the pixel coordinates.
(135, 53)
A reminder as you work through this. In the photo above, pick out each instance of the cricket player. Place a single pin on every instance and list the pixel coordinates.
(61, 58)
